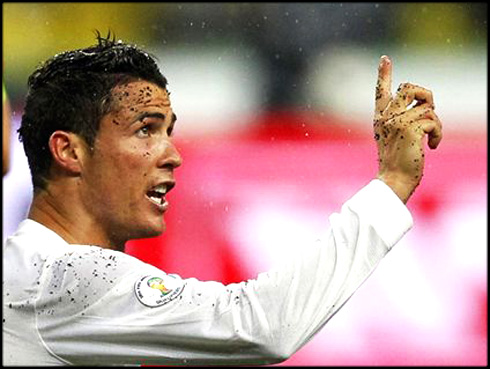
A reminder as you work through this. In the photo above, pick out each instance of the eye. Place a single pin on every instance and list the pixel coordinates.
(150, 129)
(144, 131)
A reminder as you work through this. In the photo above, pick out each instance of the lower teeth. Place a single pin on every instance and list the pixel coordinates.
(158, 200)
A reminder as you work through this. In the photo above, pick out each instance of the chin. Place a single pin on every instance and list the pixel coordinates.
(154, 230)
(146, 227)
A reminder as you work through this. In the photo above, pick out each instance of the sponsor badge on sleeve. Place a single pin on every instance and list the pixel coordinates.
(157, 290)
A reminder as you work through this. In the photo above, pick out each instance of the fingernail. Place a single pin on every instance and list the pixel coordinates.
(385, 59)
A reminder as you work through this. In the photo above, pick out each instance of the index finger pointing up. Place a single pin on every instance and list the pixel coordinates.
(383, 87)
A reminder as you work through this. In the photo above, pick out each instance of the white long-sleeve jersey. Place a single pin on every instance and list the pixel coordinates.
(86, 305)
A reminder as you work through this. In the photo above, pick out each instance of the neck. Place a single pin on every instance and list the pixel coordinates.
(60, 214)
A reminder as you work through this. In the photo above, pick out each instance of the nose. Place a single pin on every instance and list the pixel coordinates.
(171, 157)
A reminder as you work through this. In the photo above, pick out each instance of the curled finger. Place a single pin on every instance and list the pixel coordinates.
(406, 94)
(423, 111)
(433, 129)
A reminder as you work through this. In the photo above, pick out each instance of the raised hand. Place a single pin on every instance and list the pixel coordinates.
(400, 124)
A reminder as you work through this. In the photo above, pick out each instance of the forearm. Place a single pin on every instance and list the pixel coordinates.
(277, 313)
(302, 299)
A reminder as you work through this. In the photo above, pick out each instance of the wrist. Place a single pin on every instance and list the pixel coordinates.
(403, 187)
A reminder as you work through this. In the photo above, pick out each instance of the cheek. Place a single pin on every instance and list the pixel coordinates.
(146, 153)
(116, 168)
(137, 163)
(126, 164)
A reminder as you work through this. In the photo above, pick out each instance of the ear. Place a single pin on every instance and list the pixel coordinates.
(68, 150)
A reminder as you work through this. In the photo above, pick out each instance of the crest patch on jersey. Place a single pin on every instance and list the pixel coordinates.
(158, 290)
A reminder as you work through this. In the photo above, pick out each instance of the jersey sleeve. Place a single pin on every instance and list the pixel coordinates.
(137, 314)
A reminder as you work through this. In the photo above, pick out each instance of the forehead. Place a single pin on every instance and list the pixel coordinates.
(139, 94)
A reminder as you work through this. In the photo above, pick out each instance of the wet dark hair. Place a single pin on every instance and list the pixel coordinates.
(72, 92)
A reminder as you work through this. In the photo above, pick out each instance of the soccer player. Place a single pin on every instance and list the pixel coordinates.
(97, 132)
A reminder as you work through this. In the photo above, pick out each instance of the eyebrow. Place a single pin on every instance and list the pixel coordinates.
(144, 115)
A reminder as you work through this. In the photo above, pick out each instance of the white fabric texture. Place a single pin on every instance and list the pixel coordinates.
(78, 304)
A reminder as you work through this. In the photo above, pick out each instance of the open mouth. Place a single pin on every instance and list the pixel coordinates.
(157, 194)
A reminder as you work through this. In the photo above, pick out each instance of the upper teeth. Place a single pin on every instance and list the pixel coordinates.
(162, 188)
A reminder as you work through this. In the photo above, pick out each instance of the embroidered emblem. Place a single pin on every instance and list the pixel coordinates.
(156, 291)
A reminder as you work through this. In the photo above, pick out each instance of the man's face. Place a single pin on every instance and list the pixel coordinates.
(131, 167)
